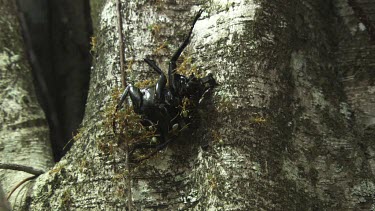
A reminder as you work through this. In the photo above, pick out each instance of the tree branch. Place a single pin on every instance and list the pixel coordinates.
(17, 167)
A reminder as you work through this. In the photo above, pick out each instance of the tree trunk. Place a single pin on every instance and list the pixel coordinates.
(284, 130)
(24, 131)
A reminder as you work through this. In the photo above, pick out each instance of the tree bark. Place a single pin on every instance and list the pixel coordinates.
(282, 131)
(4, 204)
(24, 132)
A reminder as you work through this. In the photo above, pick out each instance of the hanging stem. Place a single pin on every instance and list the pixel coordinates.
(123, 82)
(122, 47)
(19, 184)
(128, 177)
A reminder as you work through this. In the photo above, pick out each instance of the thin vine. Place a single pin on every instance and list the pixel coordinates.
(123, 82)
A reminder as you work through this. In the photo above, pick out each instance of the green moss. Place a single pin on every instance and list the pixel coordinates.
(66, 199)
(122, 128)
(155, 29)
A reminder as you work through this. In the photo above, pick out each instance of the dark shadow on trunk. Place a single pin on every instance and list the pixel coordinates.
(58, 44)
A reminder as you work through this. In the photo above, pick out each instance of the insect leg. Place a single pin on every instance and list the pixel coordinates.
(152, 64)
(173, 61)
(160, 85)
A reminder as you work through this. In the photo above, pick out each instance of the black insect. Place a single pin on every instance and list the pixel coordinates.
(164, 105)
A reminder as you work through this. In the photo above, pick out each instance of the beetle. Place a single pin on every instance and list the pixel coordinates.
(164, 105)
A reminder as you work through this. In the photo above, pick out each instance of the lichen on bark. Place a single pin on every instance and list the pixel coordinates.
(23, 132)
(277, 133)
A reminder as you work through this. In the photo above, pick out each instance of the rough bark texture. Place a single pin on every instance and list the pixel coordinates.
(23, 130)
(283, 130)
(4, 204)
(355, 57)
